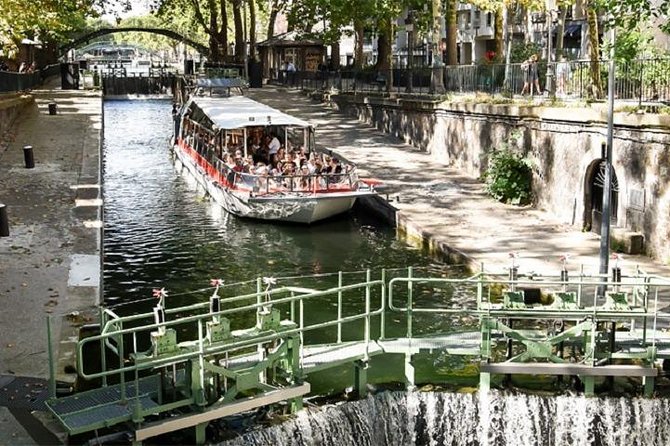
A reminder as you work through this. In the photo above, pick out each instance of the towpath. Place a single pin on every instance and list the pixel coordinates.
(445, 207)
(50, 263)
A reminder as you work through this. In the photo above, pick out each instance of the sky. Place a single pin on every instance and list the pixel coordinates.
(139, 7)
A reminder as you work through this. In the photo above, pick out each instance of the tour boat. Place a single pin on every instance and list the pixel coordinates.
(227, 144)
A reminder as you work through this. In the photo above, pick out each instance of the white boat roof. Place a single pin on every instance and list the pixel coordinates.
(235, 112)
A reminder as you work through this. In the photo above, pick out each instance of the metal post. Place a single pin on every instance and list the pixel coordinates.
(409, 303)
(367, 315)
(339, 307)
(52, 365)
(382, 321)
(28, 157)
(4, 221)
(607, 187)
(550, 75)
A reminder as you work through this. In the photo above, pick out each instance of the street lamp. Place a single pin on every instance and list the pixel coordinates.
(550, 73)
(409, 27)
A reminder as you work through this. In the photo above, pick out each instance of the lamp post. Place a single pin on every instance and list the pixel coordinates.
(550, 72)
(409, 27)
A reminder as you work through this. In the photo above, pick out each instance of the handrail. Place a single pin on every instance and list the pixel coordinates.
(243, 343)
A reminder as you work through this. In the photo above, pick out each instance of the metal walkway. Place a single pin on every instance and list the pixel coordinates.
(188, 358)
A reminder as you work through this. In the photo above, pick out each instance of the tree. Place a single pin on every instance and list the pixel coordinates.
(211, 17)
(452, 32)
(45, 20)
(240, 44)
(594, 48)
(252, 28)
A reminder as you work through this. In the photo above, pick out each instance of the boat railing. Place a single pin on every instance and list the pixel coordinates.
(266, 184)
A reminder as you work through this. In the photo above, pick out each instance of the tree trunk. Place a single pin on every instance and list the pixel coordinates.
(223, 30)
(594, 50)
(452, 31)
(335, 55)
(252, 29)
(272, 18)
(239, 31)
(437, 73)
(507, 83)
(561, 31)
(214, 44)
(385, 52)
(499, 33)
(358, 50)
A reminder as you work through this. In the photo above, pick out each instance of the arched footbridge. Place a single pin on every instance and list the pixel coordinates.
(160, 31)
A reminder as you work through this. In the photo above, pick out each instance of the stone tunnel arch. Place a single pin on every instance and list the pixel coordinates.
(594, 183)
(203, 49)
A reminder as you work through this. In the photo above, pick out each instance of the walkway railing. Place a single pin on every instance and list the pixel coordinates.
(12, 82)
(640, 80)
(264, 337)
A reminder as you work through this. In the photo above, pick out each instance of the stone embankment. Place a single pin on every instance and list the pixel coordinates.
(50, 263)
(444, 209)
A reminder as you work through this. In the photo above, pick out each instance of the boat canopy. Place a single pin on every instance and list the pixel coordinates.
(236, 112)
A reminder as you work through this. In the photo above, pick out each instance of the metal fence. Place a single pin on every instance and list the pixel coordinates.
(641, 80)
(12, 81)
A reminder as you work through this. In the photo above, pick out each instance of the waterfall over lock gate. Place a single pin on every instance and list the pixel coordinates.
(486, 419)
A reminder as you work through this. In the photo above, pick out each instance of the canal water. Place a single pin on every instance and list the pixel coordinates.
(161, 232)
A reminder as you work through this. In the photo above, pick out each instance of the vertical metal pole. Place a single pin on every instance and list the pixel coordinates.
(579, 286)
(52, 365)
(607, 187)
(122, 377)
(339, 307)
(367, 315)
(409, 303)
(382, 320)
(103, 358)
(201, 365)
(302, 333)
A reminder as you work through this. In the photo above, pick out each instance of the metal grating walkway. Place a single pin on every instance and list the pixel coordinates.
(104, 406)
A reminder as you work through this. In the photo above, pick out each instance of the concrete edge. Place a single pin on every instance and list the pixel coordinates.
(412, 233)
(88, 189)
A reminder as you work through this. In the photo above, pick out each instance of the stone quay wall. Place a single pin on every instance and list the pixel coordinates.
(11, 106)
(565, 145)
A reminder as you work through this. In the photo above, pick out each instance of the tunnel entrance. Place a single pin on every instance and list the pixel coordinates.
(593, 199)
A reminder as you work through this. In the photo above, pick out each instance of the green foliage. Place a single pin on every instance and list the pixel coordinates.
(43, 20)
(509, 176)
(629, 45)
(521, 51)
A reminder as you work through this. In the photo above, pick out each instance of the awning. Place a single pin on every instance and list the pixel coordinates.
(235, 112)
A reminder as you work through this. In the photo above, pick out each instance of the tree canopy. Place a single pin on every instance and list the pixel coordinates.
(43, 20)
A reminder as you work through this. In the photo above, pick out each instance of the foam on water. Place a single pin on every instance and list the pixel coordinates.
(493, 419)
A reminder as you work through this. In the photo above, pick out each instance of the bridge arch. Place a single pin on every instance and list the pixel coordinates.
(203, 49)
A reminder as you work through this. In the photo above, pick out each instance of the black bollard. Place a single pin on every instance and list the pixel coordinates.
(4, 221)
(28, 157)
(53, 108)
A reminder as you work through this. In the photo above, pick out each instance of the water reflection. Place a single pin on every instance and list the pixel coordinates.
(160, 231)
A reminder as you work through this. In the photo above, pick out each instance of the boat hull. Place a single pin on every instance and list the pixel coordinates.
(294, 208)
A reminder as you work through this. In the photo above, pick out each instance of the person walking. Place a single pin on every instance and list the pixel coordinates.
(534, 76)
(563, 72)
(525, 71)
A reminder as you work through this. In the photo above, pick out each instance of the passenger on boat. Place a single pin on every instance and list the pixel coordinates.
(273, 144)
